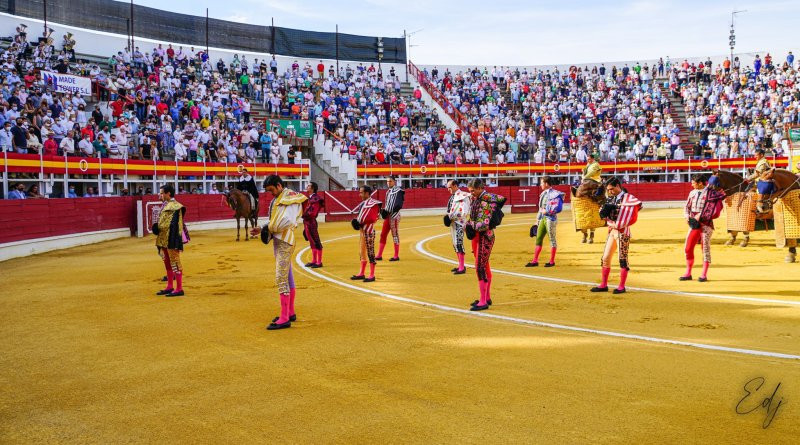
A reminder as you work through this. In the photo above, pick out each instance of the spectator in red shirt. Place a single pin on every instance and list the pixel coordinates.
(50, 145)
(153, 79)
(29, 79)
(321, 69)
(116, 108)
(87, 130)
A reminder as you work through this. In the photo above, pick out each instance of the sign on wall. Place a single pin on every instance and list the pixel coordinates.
(792, 149)
(286, 127)
(67, 83)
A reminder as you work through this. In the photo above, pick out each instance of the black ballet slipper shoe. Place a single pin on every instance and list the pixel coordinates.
(598, 289)
(369, 280)
(175, 294)
(357, 277)
(479, 308)
(685, 278)
(619, 291)
(475, 303)
(291, 318)
(164, 292)
(394, 259)
(460, 272)
(549, 264)
(532, 264)
(276, 326)
(702, 279)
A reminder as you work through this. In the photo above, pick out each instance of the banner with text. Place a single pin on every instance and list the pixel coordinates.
(67, 83)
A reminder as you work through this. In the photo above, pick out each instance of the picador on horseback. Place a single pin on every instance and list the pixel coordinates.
(592, 175)
(762, 165)
(248, 185)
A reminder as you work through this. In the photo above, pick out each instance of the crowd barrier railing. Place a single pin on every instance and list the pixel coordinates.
(123, 172)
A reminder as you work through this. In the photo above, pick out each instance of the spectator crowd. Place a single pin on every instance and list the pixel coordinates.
(174, 103)
(735, 110)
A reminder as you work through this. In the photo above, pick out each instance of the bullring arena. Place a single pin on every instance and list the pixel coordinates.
(92, 355)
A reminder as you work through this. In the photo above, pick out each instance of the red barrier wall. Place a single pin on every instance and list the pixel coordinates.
(40, 218)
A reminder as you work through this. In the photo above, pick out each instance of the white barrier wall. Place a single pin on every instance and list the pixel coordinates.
(746, 59)
(100, 43)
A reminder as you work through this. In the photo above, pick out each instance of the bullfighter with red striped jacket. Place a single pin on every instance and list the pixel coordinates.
(620, 211)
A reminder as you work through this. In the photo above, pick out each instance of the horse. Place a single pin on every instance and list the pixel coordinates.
(588, 189)
(783, 182)
(732, 183)
(239, 202)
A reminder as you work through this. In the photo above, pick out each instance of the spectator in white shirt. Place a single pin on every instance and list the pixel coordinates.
(180, 151)
(5, 137)
(114, 151)
(67, 144)
(86, 147)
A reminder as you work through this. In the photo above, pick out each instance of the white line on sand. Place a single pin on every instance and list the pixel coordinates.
(465, 312)
(420, 247)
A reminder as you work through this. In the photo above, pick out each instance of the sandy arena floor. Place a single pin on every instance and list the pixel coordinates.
(91, 355)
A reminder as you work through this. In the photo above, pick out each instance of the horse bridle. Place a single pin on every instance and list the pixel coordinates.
(785, 191)
(230, 201)
(737, 187)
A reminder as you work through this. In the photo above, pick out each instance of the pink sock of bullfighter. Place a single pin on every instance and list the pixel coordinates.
(623, 276)
(536, 253)
(604, 275)
(363, 268)
(284, 317)
(706, 264)
(689, 265)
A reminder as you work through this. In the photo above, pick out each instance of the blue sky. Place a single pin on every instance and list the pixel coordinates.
(531, 32)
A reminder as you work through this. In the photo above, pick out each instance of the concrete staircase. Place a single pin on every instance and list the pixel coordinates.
(329, 168)
(678, 115)
(406, 90)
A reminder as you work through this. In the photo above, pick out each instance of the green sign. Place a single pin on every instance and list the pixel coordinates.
(285, 127)
(794, 134)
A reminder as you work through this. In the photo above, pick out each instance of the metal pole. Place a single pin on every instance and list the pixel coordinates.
(66, 176)
(100, 176)
(272, 46)
(405, 45)
(5, 171)
(132, 42)
(44, 5)
(128, 33)
(733, 14)
(207, 34)
(337, 50)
